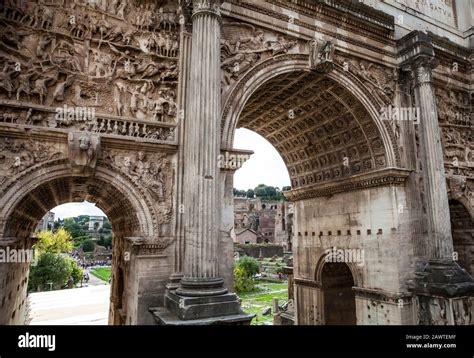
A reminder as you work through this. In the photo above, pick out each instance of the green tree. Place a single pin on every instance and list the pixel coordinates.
(105, 241)
(270, 192)
(54, 242)
(74, 228)
(51, 268)
(250, 193)
(79, 240)
(249, 264)
(88, 246)
(260, 192)
(240, 193)
(76, 270)
(82, 219)
(107, 225)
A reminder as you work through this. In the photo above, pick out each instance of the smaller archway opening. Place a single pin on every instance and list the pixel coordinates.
(339, 298)
(69, 282)
(462, 227)
(32, 206)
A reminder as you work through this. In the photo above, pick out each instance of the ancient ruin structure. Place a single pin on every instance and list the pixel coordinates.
(132, 104)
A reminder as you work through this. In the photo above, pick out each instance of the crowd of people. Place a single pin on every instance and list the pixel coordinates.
(85, 263)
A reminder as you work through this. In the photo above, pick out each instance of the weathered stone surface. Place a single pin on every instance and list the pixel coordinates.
(134, 105)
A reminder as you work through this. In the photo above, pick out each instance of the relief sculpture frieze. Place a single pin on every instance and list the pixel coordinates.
(114, 61)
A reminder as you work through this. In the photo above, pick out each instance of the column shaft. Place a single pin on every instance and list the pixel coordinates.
(439, 225)
(202, 147)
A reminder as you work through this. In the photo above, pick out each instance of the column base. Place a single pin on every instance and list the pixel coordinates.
(446, 279)
(204, 310)
(200, 302)
(192, 308)
(191, 287)
(174, 281)
(165, 317)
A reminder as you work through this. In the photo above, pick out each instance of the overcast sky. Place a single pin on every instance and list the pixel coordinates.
(76, 209)
(264, 167)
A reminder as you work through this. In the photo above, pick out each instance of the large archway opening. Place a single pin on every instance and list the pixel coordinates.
(327, 130)
(339, 298)
(320, 129)
(28, 206)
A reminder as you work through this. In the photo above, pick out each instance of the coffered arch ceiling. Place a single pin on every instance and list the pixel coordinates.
(321, 130)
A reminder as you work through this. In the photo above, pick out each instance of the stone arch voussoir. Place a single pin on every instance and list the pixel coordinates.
(266, 70)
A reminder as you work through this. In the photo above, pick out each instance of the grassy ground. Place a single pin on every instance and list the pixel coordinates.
(252, 302)
(103, 273)
(261, 298)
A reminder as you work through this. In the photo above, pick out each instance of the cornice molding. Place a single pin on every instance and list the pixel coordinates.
(307, 283)
(383, 296)
(383, 177)
(415, 49)
(352, 12)
(233, 159)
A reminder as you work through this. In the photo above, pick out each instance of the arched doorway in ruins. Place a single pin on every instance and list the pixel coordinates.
(346, 176)
(339, 298)
(29, 198)
(462, 227)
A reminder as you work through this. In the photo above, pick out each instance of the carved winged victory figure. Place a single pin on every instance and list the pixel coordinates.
(241, 48)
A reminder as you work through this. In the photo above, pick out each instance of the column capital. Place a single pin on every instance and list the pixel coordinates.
(422, 70)
(212, 7)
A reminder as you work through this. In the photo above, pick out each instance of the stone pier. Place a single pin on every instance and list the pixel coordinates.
(201, 297)
(439, 280)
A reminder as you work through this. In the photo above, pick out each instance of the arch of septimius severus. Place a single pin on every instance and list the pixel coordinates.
(131, 104)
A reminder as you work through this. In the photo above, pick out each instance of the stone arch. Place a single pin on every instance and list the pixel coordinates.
(338, 296)
(40, 188)
(335, 302)
(270, 69)
(56, 178)
(355, 270)
(462, 228)
(464, 200)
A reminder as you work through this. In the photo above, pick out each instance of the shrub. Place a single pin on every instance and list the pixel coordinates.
(88, 246)
(76, 271)
(105, 241)
(79, 240)
(245, 269)
(249, 264)
(242, 282)
(51, 268)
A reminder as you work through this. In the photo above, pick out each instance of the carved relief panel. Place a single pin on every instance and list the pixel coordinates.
(457, 131)
(19, 155)
(107, 66)
(151, 173)
(243, 45)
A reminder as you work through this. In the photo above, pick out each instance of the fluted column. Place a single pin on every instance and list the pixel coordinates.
(440, 247)
(202, 148)
(436, 272)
